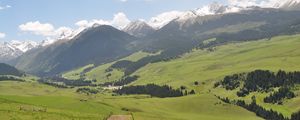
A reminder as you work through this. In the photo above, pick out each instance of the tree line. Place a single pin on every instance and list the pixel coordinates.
(124, 81)
(295, 116)
(263, 81)
(87, 91)
(259, 110)
(10, 78)
(65, 83)
(6, 69)
(168, 52)
(152, 90)
(278, 96)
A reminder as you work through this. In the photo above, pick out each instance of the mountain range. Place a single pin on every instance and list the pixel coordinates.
(138, 29)
(141, 28)
(100, 44)
(96, 45)
(218, 62)
(9, 70)
(14, 49)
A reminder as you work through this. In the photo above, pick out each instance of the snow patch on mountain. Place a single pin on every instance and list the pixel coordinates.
(14, 49)
(181, 16)
(288, 4)
(24, 45)
(214, 8)
(162, 19)
(138, 28)
(8, 52)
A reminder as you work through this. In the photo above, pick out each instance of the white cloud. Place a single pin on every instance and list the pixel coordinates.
(2, 35)
(38, 28)
(85, 23)
(82, 23)
(5, 7)
(243, 3)
(63, 32)
(136, 0)
(276, 3)
(45, 29)
(261, 3)
(120, 20)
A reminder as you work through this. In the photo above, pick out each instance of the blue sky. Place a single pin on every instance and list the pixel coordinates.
(58, 13)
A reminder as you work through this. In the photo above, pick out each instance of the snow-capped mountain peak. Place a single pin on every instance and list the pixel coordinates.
(135, 25)
(138, 28)
(8, 52)
(187, 15)
(162, 19)
(288, 4)
(183, 16)
(213, 8)
(24, 45)
(14, 49)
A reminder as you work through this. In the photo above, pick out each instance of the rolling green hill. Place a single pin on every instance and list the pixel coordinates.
(32, 100)
(99, 72)
(36, 101)
(206, 65)
(9, 70)
(88, 47)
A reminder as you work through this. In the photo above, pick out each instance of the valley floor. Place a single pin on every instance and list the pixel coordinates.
(34, 101)
(31, 100)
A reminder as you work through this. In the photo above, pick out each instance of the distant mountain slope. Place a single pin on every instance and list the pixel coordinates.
(9, 70)
(24, 45)
(180, 37)
(262, 23)
(102, 44)
(212, 64)
(14, 49)
(96, 45)
(289, 4)
(8, 52)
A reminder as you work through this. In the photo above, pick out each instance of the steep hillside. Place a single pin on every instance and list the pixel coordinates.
(214, 63)
(210, 64)
(206, 67)
(179, 37)
(37, 101)
(139, 29)
(103, 44)
(96, 45)
(9, 70)
(101, 73)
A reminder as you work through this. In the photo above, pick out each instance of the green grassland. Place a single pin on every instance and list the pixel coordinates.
(203, 66)
(66, 104)
(206, 66)
(98, 73)
(75, 74)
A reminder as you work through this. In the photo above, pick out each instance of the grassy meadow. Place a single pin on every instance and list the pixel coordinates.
(31, 100)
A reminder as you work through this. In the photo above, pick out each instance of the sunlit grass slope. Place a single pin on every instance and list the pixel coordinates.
(205, 66)
(27, 100)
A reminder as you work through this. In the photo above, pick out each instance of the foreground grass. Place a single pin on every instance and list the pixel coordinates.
(200, 65)
(208, 67)
(204, 66)
(66, 104)
(98, 73)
